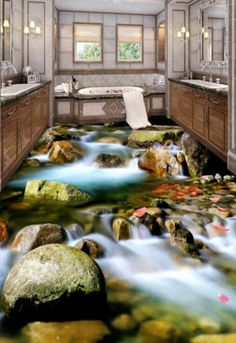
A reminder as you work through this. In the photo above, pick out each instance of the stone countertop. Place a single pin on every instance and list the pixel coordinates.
(4, 100)
(103, 96)
(223, 92)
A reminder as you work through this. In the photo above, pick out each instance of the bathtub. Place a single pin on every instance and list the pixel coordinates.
(108, 90)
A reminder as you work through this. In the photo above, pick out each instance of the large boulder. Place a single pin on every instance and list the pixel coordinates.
(54, 282)
(108, 161)
(33, 236)
(55, 191)
(64, 152)
(159, 161)
(156, 134)
(196, 155)
(52, 134)
(83, 331)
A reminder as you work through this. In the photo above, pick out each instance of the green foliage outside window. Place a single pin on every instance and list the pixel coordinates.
(88, 52)
(130, 52)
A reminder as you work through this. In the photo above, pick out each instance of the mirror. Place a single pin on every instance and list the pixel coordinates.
(161, 41)
(213, 33)
(6, 30)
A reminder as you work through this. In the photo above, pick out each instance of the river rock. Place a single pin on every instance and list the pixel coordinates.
(32, 162)
(51, 282)
(74, 231)
(124, 323)
(83, 331)
(108, 161)
(160, 331)
(223, 214)
(55, 133)
(221, 338)
(33, 236)
(196, 155)
(64, 152)
(3, 229)
(109, 140)
(55, 191)
(121, 228)
(159, 161)
(178, 234)
(156, 134)
(90, 247)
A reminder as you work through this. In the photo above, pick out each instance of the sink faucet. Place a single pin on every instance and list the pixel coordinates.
(4, 67)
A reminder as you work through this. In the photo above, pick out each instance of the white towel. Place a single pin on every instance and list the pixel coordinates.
(63, 88)
(136, 114)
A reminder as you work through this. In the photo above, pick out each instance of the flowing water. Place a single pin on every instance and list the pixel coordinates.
(147, 278)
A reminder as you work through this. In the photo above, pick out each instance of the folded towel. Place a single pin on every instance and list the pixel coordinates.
(63, 88)
(136, 114)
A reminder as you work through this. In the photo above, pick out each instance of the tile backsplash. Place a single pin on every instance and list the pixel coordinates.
(113, 80)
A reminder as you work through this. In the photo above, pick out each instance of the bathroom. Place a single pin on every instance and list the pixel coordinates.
(118, 148)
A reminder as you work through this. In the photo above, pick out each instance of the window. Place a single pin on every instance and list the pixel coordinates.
(87, 42)
(129, 43)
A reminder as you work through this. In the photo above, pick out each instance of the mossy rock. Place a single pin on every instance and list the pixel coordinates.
(223, 338)
(64, 152)
(156, 134)
(51, 282)
(55, 191)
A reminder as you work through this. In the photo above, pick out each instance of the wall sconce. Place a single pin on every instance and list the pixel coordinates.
(183, 33)
(5, 26)
(32, 29)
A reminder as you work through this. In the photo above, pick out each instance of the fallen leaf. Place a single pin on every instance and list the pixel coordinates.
(215, 199)
(140, 212)
(159, 191)
(221, 227)
(221, 209)
(223, 298)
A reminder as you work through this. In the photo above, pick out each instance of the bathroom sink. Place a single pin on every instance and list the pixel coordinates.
(206, 84)
(17, 89)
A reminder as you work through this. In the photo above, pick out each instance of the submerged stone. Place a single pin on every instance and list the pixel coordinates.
(33, 236)
(124, 323)
(196, 155)
(32, 162)
(221, 338)
(54, 282)
(64, 152)
(55, 191)
(160, 331)
(156, 134)
(159, 161)
(83, 331)
(108, 161)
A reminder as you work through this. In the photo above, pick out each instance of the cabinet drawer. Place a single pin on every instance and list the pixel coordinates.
(9, 111)
(217, 100)
(199, 96)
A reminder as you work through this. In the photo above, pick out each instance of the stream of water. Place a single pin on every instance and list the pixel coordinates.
(163, 283)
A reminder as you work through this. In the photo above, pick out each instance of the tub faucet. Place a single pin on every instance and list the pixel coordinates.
(4, 68)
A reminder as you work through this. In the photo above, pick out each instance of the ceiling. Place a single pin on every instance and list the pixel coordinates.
(114, 6)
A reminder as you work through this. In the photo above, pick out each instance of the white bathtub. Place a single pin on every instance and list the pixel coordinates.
(108, 90)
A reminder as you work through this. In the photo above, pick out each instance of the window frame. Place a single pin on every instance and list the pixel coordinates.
(74, 42)
(117, 43)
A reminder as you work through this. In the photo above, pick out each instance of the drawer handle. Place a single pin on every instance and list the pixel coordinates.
(197, 95)
(216, 102)
(27, 102)
(10, 113)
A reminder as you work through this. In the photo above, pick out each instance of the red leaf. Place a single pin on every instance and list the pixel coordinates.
(223, 298)
(221, 227)
(221, 209)
(140, 212)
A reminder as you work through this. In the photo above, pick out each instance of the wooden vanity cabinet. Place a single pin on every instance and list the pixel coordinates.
(22, 123)
(202, 113)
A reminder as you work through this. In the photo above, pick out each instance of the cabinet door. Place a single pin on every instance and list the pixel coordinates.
(36, 114)
(218, 122)
(24, 126)
(186, 106)
(44, 107)
(199, 112)
(9, 139)
(174, 100)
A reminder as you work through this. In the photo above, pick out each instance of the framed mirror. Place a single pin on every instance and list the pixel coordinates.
(213, 34)
(6, 28)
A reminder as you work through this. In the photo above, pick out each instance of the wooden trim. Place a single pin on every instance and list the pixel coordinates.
(116, 13)
(117, 42)
(73, 43)
(107, 71)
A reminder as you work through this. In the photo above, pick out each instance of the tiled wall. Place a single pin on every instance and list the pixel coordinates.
(194, 41)
(112, 80)
(109, 21)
